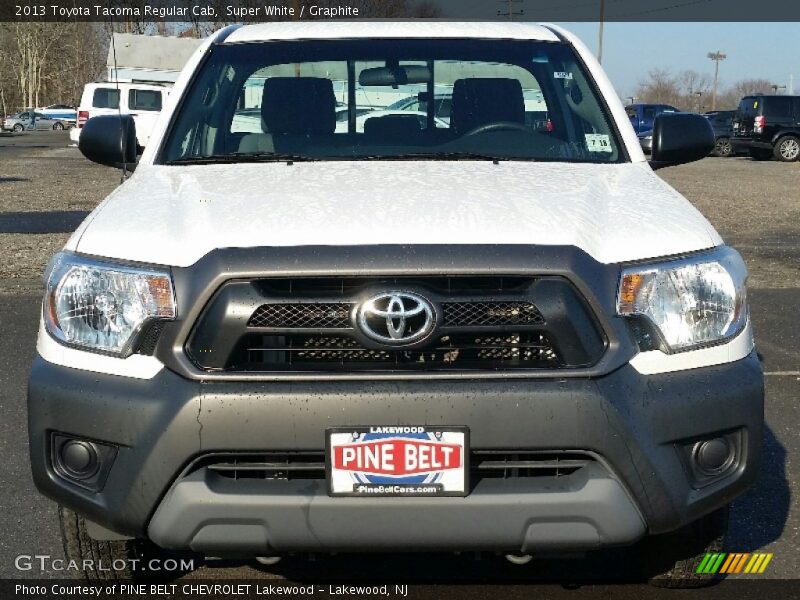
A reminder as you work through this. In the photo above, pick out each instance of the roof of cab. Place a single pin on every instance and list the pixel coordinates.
(295, 30)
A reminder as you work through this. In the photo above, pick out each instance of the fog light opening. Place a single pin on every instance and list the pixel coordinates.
(79, 459)
(714, 456)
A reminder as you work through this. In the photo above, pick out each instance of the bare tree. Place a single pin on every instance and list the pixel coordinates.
(694, 90)
(660, 87)
(748, 87)
(29, 54)
(48, 62)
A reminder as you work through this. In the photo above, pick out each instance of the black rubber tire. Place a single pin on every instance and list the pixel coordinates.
(723, 148)
(759, 154)
(18, 128)
(671, 560)
(58, 127)
(79, 546)
(779, 152)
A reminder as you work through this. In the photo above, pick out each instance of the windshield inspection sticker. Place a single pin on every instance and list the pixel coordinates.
(598, 142)
(562, 75)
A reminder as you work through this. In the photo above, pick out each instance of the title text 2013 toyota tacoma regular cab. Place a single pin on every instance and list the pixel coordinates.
(499, 333)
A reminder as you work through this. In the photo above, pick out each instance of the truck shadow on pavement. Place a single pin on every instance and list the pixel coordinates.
(58, 221)
(760, 515)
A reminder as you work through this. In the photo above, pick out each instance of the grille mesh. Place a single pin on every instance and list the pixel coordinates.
(276, 352)
(319, 315)
(325, 348)
(460, 314)
(309, 315)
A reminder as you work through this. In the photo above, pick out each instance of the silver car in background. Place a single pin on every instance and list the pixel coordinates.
(25, 121)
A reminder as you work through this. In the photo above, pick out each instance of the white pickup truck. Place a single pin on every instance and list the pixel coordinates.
(504, 333)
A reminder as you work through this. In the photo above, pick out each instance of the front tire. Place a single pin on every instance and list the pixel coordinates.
(723, 148)
(80, 547)
(787, 149)
(58, 127)
(18, 128)
(673, 558)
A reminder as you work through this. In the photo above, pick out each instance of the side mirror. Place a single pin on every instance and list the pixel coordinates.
(110, 140)
(680, 138)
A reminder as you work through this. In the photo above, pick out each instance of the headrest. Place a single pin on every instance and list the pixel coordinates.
(393, 128)
(477, 101)
(299, 105)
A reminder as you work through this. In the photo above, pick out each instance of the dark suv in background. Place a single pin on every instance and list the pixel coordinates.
(768, 126)
(722, 123)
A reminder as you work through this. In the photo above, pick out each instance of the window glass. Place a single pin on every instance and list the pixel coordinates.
(777, 106)
(748, 106)
(144, 99)
(105, 98)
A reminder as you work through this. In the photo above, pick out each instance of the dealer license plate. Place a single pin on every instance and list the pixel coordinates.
(397, 461)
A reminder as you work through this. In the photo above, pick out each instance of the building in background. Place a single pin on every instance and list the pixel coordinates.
(148, 58)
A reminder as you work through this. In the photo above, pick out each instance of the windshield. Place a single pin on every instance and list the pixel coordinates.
(370, 99)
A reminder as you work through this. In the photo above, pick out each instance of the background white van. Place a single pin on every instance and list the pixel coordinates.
(142, 101)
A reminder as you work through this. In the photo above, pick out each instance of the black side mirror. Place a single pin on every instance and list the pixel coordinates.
(110, 140)
(680, 138)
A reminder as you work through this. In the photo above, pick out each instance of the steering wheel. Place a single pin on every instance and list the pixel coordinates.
(497, 125)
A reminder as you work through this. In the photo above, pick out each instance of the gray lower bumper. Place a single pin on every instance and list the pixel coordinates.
(634, 424)
(585, 510)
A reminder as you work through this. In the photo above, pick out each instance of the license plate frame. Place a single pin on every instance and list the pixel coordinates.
(448, 482)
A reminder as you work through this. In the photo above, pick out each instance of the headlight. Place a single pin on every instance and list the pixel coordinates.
(693, 302)
(102, 307)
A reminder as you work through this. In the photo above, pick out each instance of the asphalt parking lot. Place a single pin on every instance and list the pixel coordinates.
(46, 188)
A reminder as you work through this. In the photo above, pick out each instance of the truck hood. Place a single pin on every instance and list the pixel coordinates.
(175, 215)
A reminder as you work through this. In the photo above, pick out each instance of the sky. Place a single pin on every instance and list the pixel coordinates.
(755, 50)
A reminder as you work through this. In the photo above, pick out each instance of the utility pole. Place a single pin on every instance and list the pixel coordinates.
(600, 32)
(510, 9)
(717, 57)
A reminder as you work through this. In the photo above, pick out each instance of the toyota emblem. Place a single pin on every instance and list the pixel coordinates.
(396, 318)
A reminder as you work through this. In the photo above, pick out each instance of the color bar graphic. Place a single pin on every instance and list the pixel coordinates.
(734, 562)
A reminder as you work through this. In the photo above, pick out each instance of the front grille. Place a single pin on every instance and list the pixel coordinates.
(314, 352)
(460, 314)
(294, 465)
(485, 323)
(308, 315)
(483, 464)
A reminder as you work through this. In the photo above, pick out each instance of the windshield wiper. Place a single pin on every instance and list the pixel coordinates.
(240, 157)
(443, 156)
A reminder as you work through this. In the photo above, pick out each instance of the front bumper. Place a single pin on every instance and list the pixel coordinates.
(634, 424)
